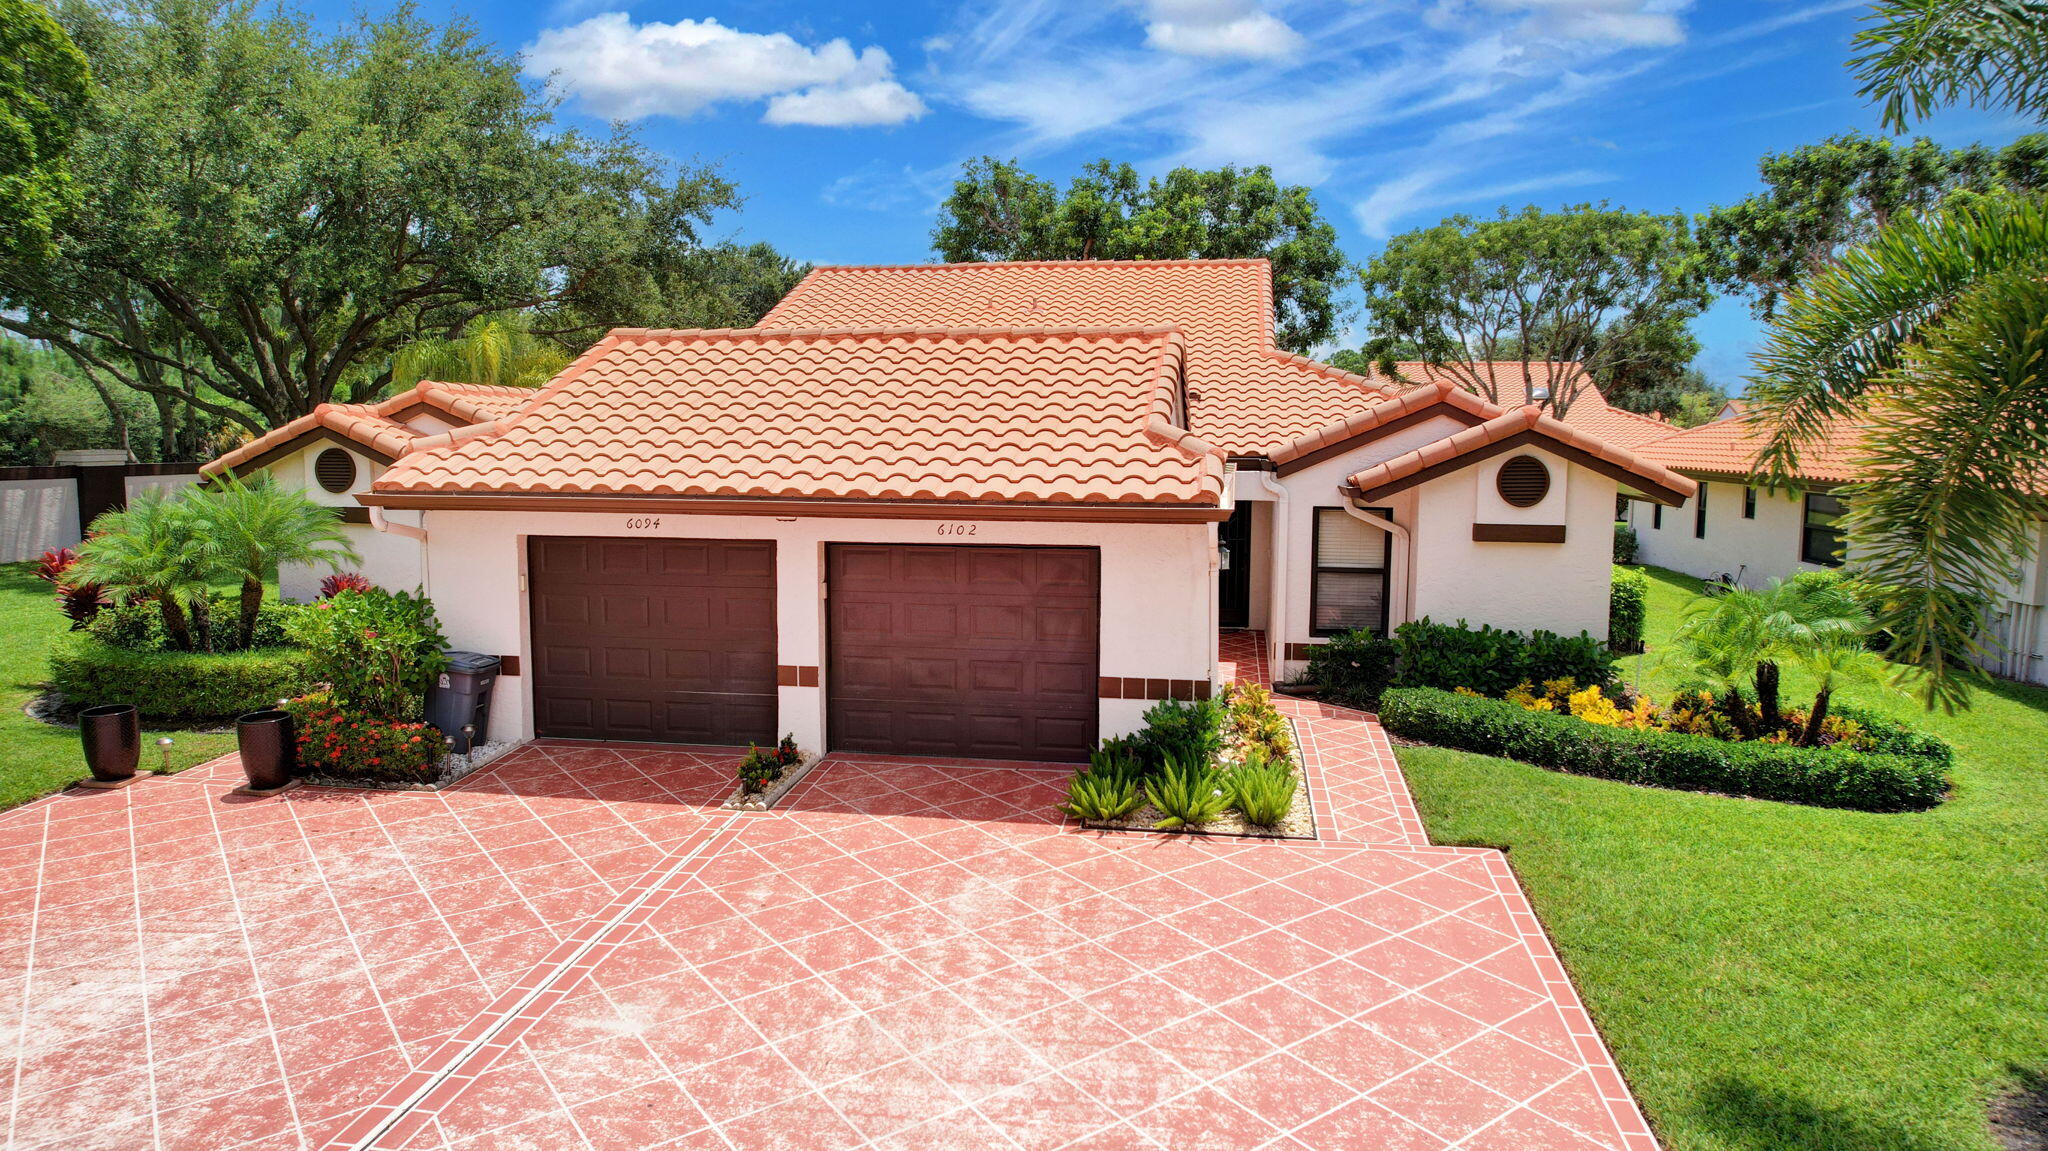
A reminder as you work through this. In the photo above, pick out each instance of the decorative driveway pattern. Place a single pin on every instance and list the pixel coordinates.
(577, 949)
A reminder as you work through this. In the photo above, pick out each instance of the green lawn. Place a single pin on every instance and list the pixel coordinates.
(38, 758)
(1773, 976)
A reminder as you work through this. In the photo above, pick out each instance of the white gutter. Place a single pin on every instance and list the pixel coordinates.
(378, 521)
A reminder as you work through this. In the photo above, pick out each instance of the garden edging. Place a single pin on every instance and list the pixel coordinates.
(743, 800)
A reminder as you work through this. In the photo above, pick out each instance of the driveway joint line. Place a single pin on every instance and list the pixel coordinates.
(546, 983)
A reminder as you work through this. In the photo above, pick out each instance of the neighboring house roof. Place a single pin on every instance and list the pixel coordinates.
(1039, 416)
(1243, 393)
(1729, 447)
(1588, 410)
(378, 429)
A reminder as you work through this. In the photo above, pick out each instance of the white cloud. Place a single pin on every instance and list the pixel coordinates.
(1219, 28)
(1631, 23)
(621, 70)
(1396, 199)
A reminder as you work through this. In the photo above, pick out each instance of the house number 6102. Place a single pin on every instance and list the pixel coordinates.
(958, 529)
(642, 523)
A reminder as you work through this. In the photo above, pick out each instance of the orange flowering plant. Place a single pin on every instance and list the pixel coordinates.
(348, 743)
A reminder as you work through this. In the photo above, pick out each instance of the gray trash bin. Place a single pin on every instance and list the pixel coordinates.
(461, 697)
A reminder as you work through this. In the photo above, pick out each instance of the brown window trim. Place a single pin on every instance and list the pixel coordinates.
(1699, 513)
(1315, 569)
(1749, 502)
(1834, 559)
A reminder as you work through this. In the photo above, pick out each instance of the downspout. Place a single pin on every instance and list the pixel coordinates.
(1405, 588)
(410, 532)
(1278, 547)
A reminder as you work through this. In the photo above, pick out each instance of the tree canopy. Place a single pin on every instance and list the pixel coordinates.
(267, 213)
(44, 83)
(1821, 199)
(1610, 290)
(998, 211)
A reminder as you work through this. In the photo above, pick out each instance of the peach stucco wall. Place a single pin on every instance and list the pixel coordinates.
(1158, 591)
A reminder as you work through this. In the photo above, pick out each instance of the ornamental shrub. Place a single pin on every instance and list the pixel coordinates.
(1628, 605)
(1626, 544)
(1491, 661)
(1189, 732)
(378, 650)
(1187, 793)
(758, 768)
(1353, 668)
(139, 626)
(177, 685)
(1821, 776)
(344, 743)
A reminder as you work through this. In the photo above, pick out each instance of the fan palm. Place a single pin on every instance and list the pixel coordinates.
(501, 349)
(246, 527)
(1935, 336)
(1815, 622)
(148, 550)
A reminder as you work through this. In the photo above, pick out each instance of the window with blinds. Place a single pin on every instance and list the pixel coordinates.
(1349, 588)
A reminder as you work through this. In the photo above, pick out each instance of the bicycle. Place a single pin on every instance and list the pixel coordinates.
(1722, 583)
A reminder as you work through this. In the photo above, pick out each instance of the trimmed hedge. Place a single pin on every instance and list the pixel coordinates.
(1354, 668)
(1490, 661)
(1823, 777)
(175, 685)
(1628, 605)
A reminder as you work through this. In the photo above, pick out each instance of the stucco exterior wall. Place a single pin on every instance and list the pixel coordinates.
(1158, 606)
(1762, 549)
(390, 560)
(1438, 570)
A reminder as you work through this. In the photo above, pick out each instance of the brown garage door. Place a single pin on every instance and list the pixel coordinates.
(984, 652)
(664, 640)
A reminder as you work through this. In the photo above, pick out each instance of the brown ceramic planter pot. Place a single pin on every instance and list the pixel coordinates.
(269, 747)
(113, 741)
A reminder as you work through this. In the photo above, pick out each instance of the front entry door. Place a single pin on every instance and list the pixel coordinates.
(1234, 580)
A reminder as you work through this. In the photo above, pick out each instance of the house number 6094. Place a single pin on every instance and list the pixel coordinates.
(958, 529)
(642, 523)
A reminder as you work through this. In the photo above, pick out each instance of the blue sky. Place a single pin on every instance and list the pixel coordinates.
(843, 122)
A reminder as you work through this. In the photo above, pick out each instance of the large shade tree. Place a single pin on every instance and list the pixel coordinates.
(1819, 200)
(999, 211)
(44, 82)
(267, 212)
(1590, 287)
(1935, 335)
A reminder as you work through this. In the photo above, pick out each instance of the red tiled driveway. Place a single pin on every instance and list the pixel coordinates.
(577, 948)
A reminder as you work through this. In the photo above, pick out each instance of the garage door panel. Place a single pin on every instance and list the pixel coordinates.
(669, 640)
(954, 650)
(1064, 572)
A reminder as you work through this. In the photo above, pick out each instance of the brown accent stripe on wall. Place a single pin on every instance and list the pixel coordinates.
(1123, 687)
(1518, 533)
(796, 675)
(508, 665)
(1300, 650)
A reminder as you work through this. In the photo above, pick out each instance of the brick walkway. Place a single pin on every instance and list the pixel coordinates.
(576, 948)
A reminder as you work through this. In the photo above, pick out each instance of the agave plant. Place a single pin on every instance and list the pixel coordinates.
(1110, 796)
(1188, 794)
(1261, 788)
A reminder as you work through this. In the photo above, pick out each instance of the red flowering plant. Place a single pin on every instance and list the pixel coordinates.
(345, 743)
(379, 651)
(80, 599)
(761, 768)
(340, 582)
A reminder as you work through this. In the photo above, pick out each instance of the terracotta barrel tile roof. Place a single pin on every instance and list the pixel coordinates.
(1729, 447)
(1516, 426)
(1243, 392)
(1024, 415)
(374, 427)
(1589, 410)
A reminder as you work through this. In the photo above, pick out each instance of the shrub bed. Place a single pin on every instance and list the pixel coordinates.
(1628, 605)
(1908, 775)
(350, 744)
(176, 685)
(1490, 661)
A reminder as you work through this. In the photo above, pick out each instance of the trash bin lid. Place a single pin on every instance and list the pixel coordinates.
(471, 661)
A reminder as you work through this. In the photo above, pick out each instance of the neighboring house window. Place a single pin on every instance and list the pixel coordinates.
(335, 469)
(1657, 517)
(1349, 588)
(1699, 513)
(1822, 542)
(1749, 503)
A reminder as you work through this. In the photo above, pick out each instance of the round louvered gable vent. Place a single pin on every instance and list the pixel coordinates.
(1523, 481)
(335, 469)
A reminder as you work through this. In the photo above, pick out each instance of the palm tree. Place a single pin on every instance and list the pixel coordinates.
(1813, 621)
(1724, 641)
(1923, 54)
(149, 550)
(247, 527)
(1935, 336)
(500, 349)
